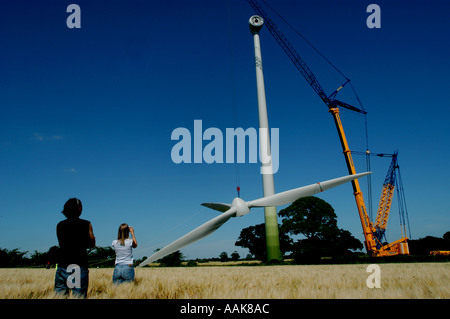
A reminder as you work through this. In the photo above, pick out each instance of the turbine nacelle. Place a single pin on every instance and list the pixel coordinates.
(255, 24)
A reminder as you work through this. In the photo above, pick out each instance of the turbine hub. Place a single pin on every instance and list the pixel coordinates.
(241, 207)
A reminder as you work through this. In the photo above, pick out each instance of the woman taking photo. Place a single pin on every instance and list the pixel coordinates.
(123, 245)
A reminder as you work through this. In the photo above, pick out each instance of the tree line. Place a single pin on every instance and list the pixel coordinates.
(9, 258)
(308, 234)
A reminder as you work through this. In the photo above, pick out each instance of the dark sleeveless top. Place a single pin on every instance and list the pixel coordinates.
(73, 238)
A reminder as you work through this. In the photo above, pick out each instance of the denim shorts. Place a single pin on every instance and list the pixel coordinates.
(78, 281)
(123, 273)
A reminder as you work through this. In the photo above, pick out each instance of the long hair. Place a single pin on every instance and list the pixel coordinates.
(72, 208)
(124, 233)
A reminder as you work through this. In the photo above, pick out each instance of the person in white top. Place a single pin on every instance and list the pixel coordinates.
(123, 246)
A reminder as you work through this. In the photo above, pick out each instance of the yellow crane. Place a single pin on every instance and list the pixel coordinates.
(391, 182)
(372, 243)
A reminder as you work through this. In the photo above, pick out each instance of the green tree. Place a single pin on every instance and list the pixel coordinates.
(102, 256)
(447, 237)
(423, 246)
(315, 220)
(223, 256)
(38, 259)
(235, 256)
(13, 258)
(52, 254)
(254, 239)
(173, 260)
(4, 261)
(309, 216)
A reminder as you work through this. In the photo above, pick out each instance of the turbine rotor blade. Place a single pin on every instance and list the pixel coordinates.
(221, 207)
(292, 195)
(200, 232)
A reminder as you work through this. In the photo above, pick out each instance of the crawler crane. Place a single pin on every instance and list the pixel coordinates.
(372, 242)
(392, 181)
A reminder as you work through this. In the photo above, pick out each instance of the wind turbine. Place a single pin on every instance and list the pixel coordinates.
(240, 208)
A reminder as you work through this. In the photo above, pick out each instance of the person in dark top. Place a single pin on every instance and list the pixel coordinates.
(75, 235)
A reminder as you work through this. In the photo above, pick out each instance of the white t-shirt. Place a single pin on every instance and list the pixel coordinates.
(124, 253)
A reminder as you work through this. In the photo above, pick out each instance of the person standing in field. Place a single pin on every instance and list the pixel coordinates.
(123, 246)
(75, 236)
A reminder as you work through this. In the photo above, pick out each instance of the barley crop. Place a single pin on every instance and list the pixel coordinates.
(399, 281)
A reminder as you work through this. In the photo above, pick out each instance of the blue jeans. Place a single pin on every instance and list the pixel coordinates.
(123, 273)
(78, 281)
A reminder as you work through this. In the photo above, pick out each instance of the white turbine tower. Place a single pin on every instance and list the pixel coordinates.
(240, 208)
(270, 212)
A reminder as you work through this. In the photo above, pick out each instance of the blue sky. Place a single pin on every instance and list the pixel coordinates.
(89, 113)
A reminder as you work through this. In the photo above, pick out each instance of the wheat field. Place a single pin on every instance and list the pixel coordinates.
(399, 281)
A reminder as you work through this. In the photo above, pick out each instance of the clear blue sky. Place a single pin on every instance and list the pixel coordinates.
(89, 113)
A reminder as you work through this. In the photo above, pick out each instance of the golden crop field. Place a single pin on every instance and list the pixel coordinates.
(401, 281)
